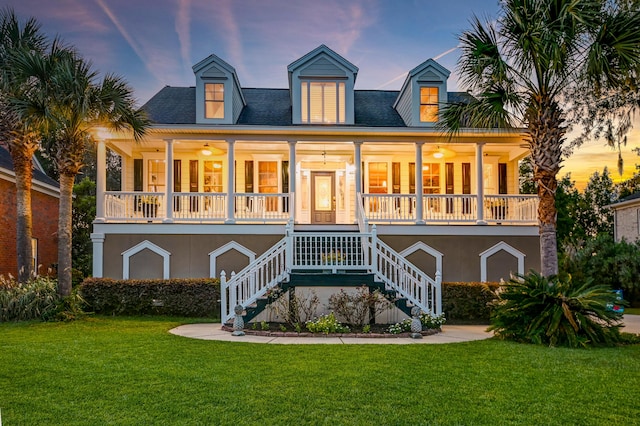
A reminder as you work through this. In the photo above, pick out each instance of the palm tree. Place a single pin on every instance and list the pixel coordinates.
(71, 103)
(20, 139)
(521, 67)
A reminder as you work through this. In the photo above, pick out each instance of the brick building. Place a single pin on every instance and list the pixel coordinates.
(45, 196)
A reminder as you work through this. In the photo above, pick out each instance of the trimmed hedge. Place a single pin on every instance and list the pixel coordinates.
(468, 301)
(180, 297)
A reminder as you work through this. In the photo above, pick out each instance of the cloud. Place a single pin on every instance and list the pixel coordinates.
(183, 29)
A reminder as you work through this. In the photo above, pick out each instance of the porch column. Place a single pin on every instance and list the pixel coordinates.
(101, 180)
(98, 253)
(292, 179)
(419, 189)
(231, 185)
(169, 181)
(358, 161)
(480, 183)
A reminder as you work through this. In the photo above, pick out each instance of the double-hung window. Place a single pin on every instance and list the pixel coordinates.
(214, 100)
(322, 102)
(428, 104)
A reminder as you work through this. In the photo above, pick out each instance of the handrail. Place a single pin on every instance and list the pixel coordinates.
(254, 280)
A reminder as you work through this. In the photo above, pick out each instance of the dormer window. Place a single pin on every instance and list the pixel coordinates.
(428, 104)
(214, 100)
(322, 102)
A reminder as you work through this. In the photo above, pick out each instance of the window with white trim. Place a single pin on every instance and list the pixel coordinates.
(322, 102)
(214, 100)
(428, 104)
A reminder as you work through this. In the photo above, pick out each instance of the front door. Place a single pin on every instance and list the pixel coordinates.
(323, 197)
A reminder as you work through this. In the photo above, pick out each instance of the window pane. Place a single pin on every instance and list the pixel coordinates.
(322, 102)
(431, 178)
(214, 100)
(429, 104)
(156, 176)
(268, 177)
(304, 102)
(212, 176)
(377, 178)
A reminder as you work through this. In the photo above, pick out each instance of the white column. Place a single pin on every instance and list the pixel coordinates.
(358, 161)
(98, 254)
(101, 180)
(168, 194)
(292, 179)
(231, 185)
(419, 189)
(480, 183)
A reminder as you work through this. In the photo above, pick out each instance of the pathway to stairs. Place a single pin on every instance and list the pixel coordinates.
(449, 334)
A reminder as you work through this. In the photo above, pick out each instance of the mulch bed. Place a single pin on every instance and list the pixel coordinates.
(375, 333)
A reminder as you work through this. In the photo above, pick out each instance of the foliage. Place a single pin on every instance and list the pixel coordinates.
(297, 309)
(354, 307)
(36, 299)
(631, 185)
(521, 69)
(555, 312)
(186, 297)
(326, 324)
(84, 213)
(428, 322)
(468, 301)
(605, 262)
(526, 182)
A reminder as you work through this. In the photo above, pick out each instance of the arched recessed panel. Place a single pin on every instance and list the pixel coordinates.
(145, 245)
(495, 249)
(420, 246)
(232, 245)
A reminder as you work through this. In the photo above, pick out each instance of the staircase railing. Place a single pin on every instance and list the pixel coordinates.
(402, 276)
(253, 282)
(333, 252)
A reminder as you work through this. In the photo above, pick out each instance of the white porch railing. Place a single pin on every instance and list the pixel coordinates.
(450, 208)
(141, 206)
(511, 209)
(390, 207)
(199, 206)
(263, 207)
(331, 252)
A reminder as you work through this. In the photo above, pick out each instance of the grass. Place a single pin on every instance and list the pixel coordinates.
(632, 311)
(130, 371)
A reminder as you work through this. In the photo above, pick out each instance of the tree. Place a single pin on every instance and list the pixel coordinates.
(595, 217)
(70, 103)
(521, 69)
(84, 213)
(20, 139)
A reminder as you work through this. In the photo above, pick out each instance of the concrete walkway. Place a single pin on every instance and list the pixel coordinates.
(449, 334)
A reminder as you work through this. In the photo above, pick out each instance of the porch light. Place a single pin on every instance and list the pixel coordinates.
(438, 153)
(206, 150)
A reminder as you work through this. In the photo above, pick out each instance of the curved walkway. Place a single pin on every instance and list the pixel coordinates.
(449, 334)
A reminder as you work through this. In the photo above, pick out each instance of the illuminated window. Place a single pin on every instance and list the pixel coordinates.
(156, 176)
(322, 102)
(268, 182)
(212, 176)
(378, 178)
(429, 104)
(431, 178)
(214, 100)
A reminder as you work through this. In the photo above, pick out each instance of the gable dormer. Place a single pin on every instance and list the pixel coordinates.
(321, 87)
(219, 98)
(422, 95)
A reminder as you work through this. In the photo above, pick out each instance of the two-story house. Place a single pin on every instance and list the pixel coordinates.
(226, 171)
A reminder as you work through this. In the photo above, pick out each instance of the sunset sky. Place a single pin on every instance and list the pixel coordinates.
(153, 43)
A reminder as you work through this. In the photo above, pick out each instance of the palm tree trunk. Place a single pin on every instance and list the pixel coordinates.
(22, 166)
(64, 234)
(547, 215)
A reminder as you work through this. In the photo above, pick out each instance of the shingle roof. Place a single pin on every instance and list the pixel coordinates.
(272, 107)
(7, 163)
(630, 197)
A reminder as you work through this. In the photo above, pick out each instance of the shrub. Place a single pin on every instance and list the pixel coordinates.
(355, 307)
(428, 322)
(554, 312)
(36, 299)
(300, 307)
(326, 324)
(616, 265)
(468, 301)
(182, 297)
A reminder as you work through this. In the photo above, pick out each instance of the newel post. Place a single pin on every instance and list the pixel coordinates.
(288, 250)
(223, 296)
(438, 292)
(374, 248)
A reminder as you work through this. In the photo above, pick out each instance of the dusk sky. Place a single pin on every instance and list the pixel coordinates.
(153, 43)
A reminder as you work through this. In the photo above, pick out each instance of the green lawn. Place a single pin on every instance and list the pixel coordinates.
(131, 371)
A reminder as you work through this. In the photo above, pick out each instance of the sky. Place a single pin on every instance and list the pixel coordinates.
(154, 43)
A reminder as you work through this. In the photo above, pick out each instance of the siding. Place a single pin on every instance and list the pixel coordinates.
(626, 223)
(237, 103)
(322, 67)
(404, 106)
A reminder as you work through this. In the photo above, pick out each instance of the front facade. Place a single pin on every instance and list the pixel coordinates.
(45, 196)
(225, 169)
(626, 219)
